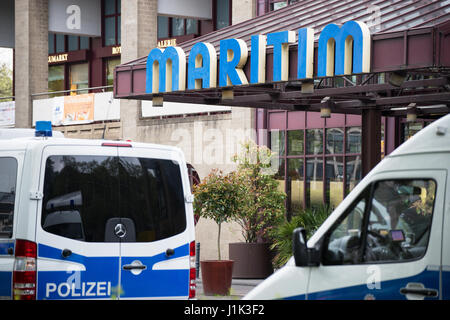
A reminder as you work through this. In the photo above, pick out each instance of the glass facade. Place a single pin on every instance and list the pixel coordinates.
(319, 161)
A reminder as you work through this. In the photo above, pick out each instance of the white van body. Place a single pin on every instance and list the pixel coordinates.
(388, 239)
(94, 219)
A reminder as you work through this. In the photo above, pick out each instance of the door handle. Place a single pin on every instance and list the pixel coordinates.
(418, 289)
(134, 267)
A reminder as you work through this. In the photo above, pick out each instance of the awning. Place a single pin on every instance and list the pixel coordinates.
(410, 40)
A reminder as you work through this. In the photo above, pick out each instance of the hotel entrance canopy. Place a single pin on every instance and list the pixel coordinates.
(409, 65)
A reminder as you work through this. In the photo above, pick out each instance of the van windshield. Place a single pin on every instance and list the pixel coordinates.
(83, 193)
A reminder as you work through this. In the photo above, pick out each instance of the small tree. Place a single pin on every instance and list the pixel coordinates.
(262, 203)
(218, 197)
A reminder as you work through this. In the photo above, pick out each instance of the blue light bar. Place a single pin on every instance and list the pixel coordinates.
(43, 129)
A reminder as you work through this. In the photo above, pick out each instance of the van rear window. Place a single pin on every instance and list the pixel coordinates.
(8, 177)
(85, 196)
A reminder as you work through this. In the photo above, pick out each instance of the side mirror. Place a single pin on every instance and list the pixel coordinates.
(299, 247)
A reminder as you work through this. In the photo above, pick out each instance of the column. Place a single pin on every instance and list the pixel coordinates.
(371, 139)
(138, 37)
(30, 55)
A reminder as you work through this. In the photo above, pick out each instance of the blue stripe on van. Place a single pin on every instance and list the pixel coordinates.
(389, 290)
(100, 280)
(5, 284)
(4, 246)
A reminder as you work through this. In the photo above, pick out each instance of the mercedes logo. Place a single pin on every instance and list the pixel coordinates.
(120, 230)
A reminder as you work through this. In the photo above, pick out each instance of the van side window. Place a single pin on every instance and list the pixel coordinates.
(85, 197)
(400, 220)
(8, 177)
(344, 241)
(392, 224)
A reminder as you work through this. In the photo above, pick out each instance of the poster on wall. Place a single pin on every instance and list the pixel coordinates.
(78, 109)
(7, 114)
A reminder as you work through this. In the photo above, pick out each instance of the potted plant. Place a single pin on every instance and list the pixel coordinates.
(217, 197)
(262, 208)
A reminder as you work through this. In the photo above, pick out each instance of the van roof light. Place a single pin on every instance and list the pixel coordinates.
(43, 129)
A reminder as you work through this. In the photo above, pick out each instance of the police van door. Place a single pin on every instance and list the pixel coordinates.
(77, 257)
(387, 245)
(10, 173)
(155, 237)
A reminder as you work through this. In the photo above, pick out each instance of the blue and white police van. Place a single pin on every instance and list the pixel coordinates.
(388, 239)
(94, 219)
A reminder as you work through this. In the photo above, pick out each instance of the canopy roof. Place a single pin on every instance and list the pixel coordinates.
(410, 38)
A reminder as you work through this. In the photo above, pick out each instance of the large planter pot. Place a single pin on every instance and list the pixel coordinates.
(216, 276)
(251, 260)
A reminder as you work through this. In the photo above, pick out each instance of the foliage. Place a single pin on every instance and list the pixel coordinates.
(310, 219)
(5, 81)
(218, 197)
(262, 202)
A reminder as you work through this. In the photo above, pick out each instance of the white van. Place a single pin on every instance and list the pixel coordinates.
(388, 239)
(94, 219)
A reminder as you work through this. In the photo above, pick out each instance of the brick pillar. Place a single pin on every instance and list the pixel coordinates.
(139, 36)
(30, 56)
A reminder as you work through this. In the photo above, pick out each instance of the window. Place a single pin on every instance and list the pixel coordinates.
(400, 220)
(223, 15)
(296, 184)
(57, 43)
(110, 65)
(295, 142)
(314, 141)
(77, 43)
(343, 241)
(320, 165)
(8, 177)
(56, 78)
(111, 22)
(163, 27)
(176, 27)
(83, 193)
(397, 226)
(79, 77)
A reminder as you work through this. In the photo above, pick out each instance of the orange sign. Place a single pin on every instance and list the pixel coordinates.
(79, 108)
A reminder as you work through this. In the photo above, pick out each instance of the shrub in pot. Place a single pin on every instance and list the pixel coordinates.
(217, 197)
(262, 208)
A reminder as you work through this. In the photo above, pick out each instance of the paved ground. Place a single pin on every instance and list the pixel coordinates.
(239, 288)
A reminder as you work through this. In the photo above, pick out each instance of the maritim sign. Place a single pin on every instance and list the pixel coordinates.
(341, 51)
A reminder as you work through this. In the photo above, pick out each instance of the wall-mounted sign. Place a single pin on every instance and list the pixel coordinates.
(78, 17)
(56, 58)
(167, 43)
(341, 51)
(116, 50)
